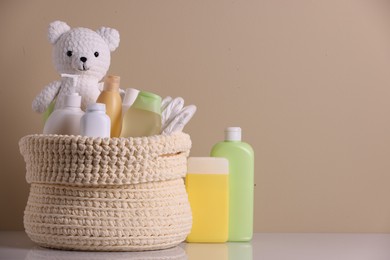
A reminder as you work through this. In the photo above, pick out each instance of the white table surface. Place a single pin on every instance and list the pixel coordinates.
(264, 246)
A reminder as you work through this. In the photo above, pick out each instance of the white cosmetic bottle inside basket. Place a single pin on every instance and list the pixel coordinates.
(66, 120)
(95, 122)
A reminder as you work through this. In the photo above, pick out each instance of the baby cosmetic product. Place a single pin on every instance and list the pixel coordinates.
(95, 122)
(208, 190)
(241, 183)
(128, 100)
(65, 121)
(143, 118)
(111, 98)
(50, 108)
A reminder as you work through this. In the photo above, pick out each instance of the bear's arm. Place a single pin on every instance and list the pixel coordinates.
(47, 95)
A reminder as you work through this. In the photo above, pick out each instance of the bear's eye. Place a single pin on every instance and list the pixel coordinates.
(69, 53)
(96, 54)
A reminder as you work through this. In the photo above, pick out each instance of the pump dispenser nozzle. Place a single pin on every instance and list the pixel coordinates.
(75, 80)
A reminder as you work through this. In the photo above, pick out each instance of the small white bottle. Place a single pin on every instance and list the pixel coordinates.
(66, 120)
(95, 122)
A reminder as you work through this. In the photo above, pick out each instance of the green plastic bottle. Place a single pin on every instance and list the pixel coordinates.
(241, 183)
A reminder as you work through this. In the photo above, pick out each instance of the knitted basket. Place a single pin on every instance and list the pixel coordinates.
(107, 194)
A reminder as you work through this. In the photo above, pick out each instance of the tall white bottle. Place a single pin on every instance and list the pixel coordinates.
(95, 122)
(65, 121)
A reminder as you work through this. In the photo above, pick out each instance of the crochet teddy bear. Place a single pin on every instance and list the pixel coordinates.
(82, 53)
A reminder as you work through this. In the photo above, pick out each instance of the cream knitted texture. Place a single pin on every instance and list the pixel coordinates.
(107, 194)
(81, 160)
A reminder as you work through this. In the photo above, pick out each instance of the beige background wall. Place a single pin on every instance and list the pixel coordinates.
(308, 81)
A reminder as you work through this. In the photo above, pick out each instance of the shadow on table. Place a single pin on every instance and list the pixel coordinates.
(39, 253)
(219, 251)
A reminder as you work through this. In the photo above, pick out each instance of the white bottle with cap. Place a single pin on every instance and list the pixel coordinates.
(241, 183)
(95, 122)
(66, 120)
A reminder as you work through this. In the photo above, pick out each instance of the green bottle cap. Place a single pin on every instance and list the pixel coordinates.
(148, 101)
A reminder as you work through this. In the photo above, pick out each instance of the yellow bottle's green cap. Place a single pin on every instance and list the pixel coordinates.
(148, 101)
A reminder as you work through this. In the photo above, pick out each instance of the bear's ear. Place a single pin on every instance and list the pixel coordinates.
(56, 29)
(110, 36)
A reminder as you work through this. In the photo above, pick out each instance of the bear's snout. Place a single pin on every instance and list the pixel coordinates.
(81, 63)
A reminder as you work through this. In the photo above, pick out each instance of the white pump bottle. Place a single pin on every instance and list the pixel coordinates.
(65, 121)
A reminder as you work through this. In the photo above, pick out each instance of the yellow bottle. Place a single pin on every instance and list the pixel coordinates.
(111, 97)
(208, 192)
(143, 118)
